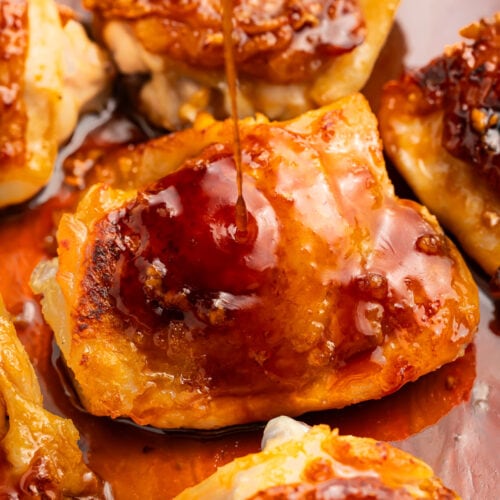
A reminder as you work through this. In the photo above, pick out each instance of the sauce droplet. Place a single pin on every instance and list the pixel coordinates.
(241, 214)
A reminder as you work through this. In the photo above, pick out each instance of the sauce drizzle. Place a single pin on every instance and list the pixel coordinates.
(232, 83)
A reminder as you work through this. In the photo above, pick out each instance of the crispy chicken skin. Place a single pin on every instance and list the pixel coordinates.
(314, 463)
(339, 293)
(41, 447)
(441, 128)
(49, 71)
(291, 55)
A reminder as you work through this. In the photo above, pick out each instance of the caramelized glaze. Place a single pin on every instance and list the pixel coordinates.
(464, 83)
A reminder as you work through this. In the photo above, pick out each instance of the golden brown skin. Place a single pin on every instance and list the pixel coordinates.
(41, 448)
(302, 463)
(340, 293)
(441, 127)
(49, 72)
(291, 55)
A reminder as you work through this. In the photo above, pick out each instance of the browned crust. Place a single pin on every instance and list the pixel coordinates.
(441, 128)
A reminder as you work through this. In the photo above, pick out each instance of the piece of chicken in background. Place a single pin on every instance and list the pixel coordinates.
(301, 462)
(50, 72)
(290, 56)
(441, 128)
(41, 449)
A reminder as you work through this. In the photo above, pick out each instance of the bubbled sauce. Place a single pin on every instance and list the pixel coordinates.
(465, 84)
(333, 267)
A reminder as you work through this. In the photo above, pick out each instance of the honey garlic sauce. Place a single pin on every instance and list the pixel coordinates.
(232, 84)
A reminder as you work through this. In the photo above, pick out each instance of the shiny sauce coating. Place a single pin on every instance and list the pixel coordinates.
(465, 84)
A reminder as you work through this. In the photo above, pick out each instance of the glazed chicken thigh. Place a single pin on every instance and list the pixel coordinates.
(41, 448)
(441, 127)
(338, 292)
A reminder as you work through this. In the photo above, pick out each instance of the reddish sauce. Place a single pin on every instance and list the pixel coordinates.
(180, 237)
(464, 83)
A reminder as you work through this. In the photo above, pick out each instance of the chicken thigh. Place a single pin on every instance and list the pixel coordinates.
(338, 291)
(441, 128)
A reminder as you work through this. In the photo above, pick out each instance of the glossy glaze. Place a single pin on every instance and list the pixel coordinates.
(335, 279)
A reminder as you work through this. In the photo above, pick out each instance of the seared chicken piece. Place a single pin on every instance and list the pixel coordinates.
(40, 447)
(441, 128)
(291, 55)
(339, 293)
(314, 463)
(49, 72)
